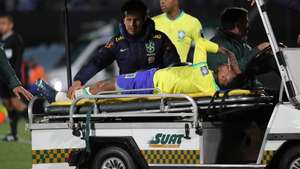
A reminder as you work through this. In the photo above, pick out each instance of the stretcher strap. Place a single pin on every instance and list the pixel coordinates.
(223, 101)
(211, 104)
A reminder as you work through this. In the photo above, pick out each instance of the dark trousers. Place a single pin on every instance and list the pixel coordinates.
(263, 64)
(13, 121)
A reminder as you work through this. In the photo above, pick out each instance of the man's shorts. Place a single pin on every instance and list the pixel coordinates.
(137, 80)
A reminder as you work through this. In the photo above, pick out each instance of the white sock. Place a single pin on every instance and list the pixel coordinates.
(83, 92)
(61, 96)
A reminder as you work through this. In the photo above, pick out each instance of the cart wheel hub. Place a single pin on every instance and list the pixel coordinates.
(295, 164)
(113, 163)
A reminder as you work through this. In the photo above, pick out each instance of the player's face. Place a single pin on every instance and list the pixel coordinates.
(5, 25)
(225, 75)
(134, 24)
(168, 5)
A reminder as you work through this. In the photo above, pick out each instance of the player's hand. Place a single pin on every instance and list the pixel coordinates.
(19, 90)
(252, 2)
(231, 58)
(298, 41)
(71, 92)
(263, 45)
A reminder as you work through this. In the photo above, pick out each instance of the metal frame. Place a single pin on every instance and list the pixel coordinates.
(187, 107)
(140, 113)
(278, 54)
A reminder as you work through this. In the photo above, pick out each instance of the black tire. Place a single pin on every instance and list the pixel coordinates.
(291, 157)
(113, 156)
(37, 105)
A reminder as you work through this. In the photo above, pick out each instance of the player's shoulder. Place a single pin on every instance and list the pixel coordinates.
(158, 17)
(159, 35)
(115, 40)
(190, 17)
(118, 38)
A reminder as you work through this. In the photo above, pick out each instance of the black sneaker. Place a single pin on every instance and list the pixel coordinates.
(44, 90)
(10, 138)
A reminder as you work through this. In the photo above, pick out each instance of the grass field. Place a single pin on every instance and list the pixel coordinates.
(15, 155)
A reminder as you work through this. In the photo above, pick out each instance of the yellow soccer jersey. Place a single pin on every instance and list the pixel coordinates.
(185, 79)
(181, 31)
(202, 47)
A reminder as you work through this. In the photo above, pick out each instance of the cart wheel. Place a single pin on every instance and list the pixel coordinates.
(291, 158)
(37, 105)
(113, 158)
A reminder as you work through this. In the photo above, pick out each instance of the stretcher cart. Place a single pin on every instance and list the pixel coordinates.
(177, 125)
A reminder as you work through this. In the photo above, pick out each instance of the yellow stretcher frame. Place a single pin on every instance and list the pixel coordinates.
(238, 92)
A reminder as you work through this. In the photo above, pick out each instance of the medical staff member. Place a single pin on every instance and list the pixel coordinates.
(138, 47)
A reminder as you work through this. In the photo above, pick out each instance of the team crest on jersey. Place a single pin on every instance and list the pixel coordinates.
(181, 35)
(204, 70)
(150, 48)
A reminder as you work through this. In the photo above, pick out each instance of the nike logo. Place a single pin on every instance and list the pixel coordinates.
(123, 50)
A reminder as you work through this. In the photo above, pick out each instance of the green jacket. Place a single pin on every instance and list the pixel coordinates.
(242, 50)
(7, 72)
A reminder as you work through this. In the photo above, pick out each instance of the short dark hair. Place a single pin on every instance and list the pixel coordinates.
(134, 6)
(9, 17)
(231, 16)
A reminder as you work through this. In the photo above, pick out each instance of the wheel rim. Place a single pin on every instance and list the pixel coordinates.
(113, 163)
(295, 164)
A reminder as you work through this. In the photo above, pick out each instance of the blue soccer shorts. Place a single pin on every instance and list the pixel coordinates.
(137, 80)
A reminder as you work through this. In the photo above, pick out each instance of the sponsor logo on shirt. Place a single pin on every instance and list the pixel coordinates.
(119, 38)
(157, 36)
(123, 50)
(181, 35)
(130, 75)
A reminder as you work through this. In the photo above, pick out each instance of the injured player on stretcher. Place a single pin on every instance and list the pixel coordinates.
(196, 78)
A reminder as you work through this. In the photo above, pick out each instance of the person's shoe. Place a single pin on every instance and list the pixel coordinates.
(44, 90)
(10, 138)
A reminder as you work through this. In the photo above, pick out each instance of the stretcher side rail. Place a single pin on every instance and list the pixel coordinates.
(202, 103)
(191, 111)
(150, 110)
(116, 107)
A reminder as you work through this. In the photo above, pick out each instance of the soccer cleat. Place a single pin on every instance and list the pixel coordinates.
(44, 90)
(10, 138)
